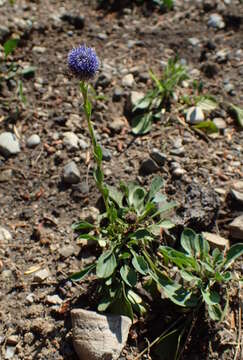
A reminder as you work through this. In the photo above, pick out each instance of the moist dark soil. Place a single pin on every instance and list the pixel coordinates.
(38, 208)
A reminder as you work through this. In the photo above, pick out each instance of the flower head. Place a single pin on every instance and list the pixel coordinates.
(83, 62)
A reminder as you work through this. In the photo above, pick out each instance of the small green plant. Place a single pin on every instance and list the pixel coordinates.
(151, 106)
(129, 234)
(10, 70)
(203, 274)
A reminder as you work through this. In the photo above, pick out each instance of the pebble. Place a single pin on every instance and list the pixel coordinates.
(66, 251)
(178, 172)
(12, 340)
(9, 353)
(216, 21)
(116, 125)
(41, 275)
(5, 235)
(222, 56)
(194, 115)
(104, 79)
(33, 141)
(236, 228)
(30, 298)
(83, 144)
(9, 144)
(237, 197)
(54, 300)
(4, 33)
(71, 140)
(229, 88)
(216, 240)
(106, 154)
(158, 156)
(194, 41)
(89, 214)
(148, 166)
(128, 80)
(71, 174)
(135, 97)
(220, 123)
(39, 50)
(118, 93)
(178, 151)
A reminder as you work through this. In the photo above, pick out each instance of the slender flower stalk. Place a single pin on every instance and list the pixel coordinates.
(84, 63)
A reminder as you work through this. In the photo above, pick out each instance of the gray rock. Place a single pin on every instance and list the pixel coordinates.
(71, 174)
(39, 50)
(128, 80)
(102, 36)
(194, 115)
(222, 56)
(229, 88)
(106, 154)
(178, 151)
(216, 240)
(30, 298)
(71, 140)
(116, 125)
(89, 214)
(54, 300)
(33, 141)
(134, 98)
(158, 156)
(118, 93)
(9, 353)
(4, 32)
(216, 21)
(104, 79)
(83, 144)
(5, 235)
(96, 336)
(178, 172)
(236, 228)
(220, 123)
(237, 197)
(6, 175)
(148, 166)
(194, 41)
(66, 251)
(41, 275)
(9, 144)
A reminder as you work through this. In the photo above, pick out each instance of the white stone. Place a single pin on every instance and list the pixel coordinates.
(53, 300)
(135, 97)
(96, 336)
(216, 21)
(33, 141)
(71, 140)
(216, 240)
(128, 80)
(39, 49)
(4, 235)
(194, 115)
(41, 275)
(9, 144)
(236, 228)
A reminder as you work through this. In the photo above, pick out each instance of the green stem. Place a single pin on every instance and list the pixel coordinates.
(98, 174)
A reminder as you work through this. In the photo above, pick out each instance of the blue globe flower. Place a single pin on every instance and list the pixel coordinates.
(83, 62)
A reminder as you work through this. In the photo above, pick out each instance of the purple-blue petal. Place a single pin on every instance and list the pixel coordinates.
(83, 62)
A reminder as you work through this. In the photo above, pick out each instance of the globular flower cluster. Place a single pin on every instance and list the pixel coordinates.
(83, 62)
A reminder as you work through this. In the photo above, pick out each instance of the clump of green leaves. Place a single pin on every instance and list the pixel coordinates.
(158, 99)
(204, 275)
(128, 233)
